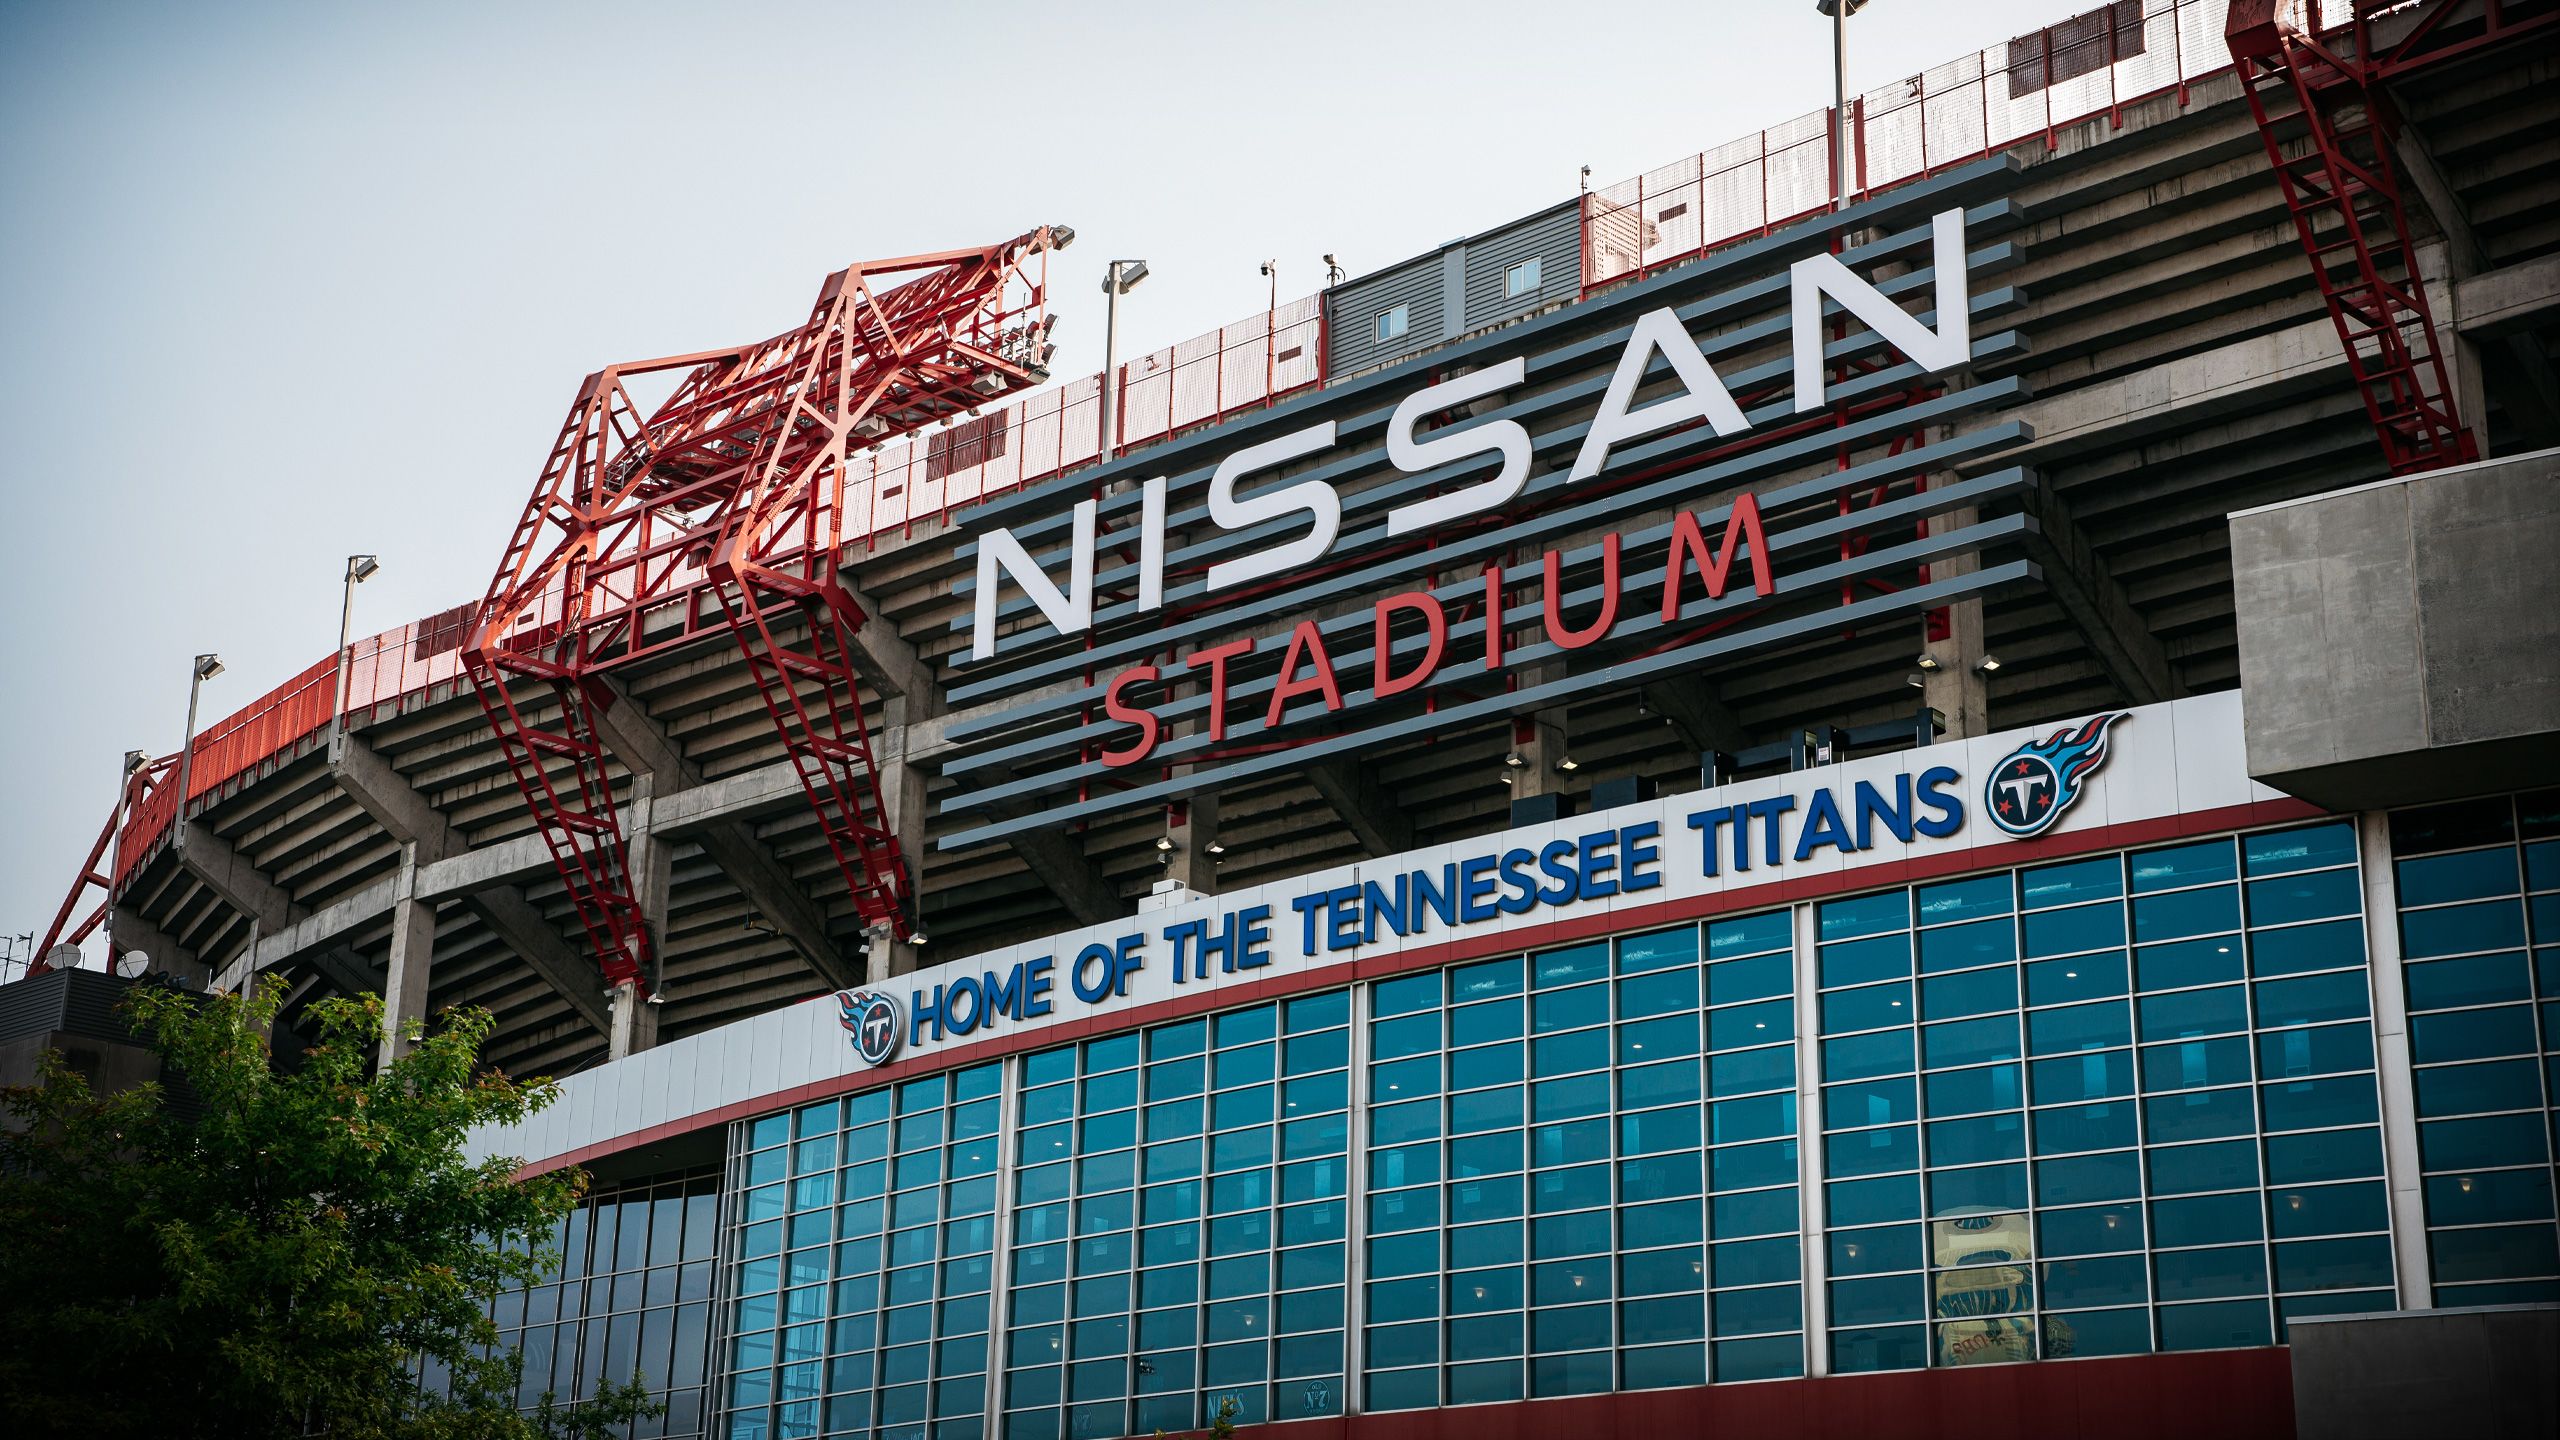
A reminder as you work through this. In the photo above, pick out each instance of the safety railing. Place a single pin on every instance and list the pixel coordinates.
(2090, 65)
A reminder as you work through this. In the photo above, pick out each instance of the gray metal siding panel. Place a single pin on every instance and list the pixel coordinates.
(1352, 311)
(1554, 237)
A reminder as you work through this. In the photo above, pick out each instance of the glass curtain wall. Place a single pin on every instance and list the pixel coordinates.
(2479, 896)
(2106, 1106)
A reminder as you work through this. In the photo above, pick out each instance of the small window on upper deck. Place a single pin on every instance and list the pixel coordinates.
(1521, 279)
(1392, 324)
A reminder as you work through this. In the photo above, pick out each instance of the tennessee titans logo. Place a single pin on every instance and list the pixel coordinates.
(870, 1020)
(2034, 784)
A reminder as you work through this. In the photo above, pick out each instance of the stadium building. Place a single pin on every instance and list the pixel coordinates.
(1900, 778)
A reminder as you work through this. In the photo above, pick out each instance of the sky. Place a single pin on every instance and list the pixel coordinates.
(281, 283)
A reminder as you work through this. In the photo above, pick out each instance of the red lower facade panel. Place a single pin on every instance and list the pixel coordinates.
(2233, 1393)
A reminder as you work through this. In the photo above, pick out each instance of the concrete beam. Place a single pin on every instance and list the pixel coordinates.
(2078, 579)
(2510, 297)
(1349, 787)
(785, 906)
(366, 778)
(1058, 861)
(227, 873)
(536, 941)
(134, 931)
(1693, 707)
(882, 656)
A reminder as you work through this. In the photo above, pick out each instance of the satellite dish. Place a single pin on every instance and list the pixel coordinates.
(65, 956)
(131, 964)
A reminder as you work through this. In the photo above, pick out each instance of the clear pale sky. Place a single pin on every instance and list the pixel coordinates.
(283, 282)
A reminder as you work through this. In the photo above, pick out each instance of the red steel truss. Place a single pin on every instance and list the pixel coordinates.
(2343, 190)
(103, 868)
(724, 508)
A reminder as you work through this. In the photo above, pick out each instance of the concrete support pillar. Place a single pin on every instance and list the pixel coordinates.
(1539, 741)
(1957, 688)
(904, 808)
(404, 983)
(634, 1025)
(1195, 837)
(652, 861)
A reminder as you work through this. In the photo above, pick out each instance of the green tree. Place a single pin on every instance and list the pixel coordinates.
(277, 1262)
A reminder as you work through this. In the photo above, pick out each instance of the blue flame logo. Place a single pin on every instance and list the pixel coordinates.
(870, 1020)
(2034, 784)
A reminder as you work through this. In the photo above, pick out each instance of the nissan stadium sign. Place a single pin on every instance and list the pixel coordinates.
(1342, 571)
(1943, 809)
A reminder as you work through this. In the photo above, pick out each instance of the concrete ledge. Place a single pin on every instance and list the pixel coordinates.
(2482, 1373)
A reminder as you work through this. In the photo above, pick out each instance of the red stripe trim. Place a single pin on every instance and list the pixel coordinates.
(1995, 855)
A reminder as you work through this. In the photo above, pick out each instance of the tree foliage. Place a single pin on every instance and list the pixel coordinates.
(278, 1262)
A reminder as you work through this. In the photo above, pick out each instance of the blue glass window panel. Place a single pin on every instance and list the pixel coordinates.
(2312, 999)
(2206, 1220)
(1405, 1079)
(2080, 977)
(1654, 1131)
(2296, 949)
(1977, 1191)
(2489, 1197)
(2223, 1326)
(1872, 1152)
(1758, 1312)
(1486, 980)
(2178, 865)
(2071, 881)
(2187, 1013)
(2090, 1075)
(1959, 947)
(1754, 1212)
(2472, 1034)
(2319, 1104)
(1963, 899)
(1864, 915)
(1878, 1298)
(1554, 1237)
(1177, 1161)
(1239, 1148)
(1885, 1052)
(1762, 1117)
(2472, 875)
(1176, 1119)
(1400, 1124)
(1664, 1084)
(2296, 1211)
(2209, 1274)
(1322, 1220)
(1869, 1008)
(1405, 994)
(2189, 1169)
(2188, 962)
(1391, 1301)
(2495, 1253)
(2186, 912)
(2460, 929)
(1869, 1202)
(1403, 1345)
(1966, 1092)
(2472, 980)
(1645, 1226)
(1751, 1024)
(2101, 1126)
(1482, 1024)
(2083, 1178)
(1573, 1374)
(1652, 1272)
(2303, 897)
(1860, 962)
(1308, 1013)
(1582, 1050)
(1405, 1035)
(2097, 1332)
(1487, 1065)
(2099, 1026)
(2494, 1085)
(2197, 1115)
(1741, 1072)
(2188, 1064)
(1870, 1102)
(1974, 992)
(2089, 1230)
(2334, 1155)
(2346, 1264)
(1672, 1318)
(2470, 1144)
(1756, 978)
(1749, 1167)
(1659, 993)
(1103, 1092)
(2322, 1051)
(1747, 934)
(1555, 1010)
(2085, 927)
(1899, 1347)
(1979, 1138)
(1306, 1055)
(1495, 1198)
(2308, 848)
(1661, 1039)
(1662, 948)
(1474, 1155)
(1409, 1254)
(1970, 1042)
(2107, 1280)
(1484, 1383)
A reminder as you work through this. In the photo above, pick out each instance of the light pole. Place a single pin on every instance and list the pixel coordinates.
(133, 760)
(1121, 278)
(1840, 11)
(360, 568)
(205, 668)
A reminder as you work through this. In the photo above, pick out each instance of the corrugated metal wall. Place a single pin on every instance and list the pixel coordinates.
(1455, 290)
